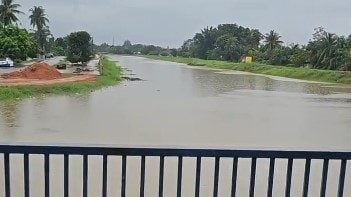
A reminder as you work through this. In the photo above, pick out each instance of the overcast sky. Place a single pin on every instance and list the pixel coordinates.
(170, 22)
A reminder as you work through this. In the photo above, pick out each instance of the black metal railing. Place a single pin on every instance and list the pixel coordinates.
(162, 154)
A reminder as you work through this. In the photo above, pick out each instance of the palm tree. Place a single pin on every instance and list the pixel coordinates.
(8, 12)
(39, 20)
(328, 48)
(272, 40)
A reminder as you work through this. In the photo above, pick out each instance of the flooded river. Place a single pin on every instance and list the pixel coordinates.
(177, 105)
(181, 106)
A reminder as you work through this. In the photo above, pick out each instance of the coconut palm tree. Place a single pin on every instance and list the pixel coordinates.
(272, 40)
(8, 12)
(328, 50)
(38, 18)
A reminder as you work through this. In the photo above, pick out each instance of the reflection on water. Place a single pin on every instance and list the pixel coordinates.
(211, 83)
(10, 115)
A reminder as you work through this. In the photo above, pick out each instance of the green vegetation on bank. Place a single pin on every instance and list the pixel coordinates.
(111, 75)
(231, 42)
(20, 44)
(282, 71)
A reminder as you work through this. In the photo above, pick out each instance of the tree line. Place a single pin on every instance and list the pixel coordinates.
(135, 49)
(19, 44)
(231, 42)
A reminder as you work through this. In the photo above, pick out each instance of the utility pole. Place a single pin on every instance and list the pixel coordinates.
(92, 45)
(113, 41)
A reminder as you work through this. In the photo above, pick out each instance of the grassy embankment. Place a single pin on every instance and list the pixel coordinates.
(111, 75)
(282, 71)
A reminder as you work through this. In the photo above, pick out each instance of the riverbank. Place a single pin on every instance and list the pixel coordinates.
(281, 71)
(111, 75)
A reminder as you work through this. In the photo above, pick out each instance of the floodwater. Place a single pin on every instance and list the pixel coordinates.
(181, 106)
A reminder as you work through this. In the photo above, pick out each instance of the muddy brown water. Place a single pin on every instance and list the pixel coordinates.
(180, 106)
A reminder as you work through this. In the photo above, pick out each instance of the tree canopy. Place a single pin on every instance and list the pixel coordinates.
(39, 20)
(232, 43)
(15, 43)
(79, 47)
(8, 12)
(225, 42)
(38, 17)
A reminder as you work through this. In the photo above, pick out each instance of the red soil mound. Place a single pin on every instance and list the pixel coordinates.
(41, 71)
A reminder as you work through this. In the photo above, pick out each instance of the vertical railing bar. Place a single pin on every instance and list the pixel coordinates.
(306, 178)
(162, 168)
(234, 176)
(66, 174)
(26, 174)
(7, 175)
(289, 177)
(198, 177)
(142, 176)
(47, 174)
(271, 177)
(180, 175)
(216, 177)
(104, 176)
(85, 175)
(253, 177)
(124, 175)
(324, 177)
(342, 178)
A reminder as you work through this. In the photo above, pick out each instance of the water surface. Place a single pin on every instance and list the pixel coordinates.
(182, 106)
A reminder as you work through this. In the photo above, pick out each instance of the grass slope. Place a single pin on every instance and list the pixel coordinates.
(282, 71)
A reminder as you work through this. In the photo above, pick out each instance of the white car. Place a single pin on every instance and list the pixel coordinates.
(6, 62)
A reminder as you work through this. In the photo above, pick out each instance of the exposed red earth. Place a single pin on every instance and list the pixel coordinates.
(40, 74)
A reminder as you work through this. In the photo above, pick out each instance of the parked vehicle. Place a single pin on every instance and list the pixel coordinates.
(7, 62)
(49, 55)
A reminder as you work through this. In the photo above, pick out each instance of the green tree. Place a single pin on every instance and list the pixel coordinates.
(8, 12)
(38, 17)
(299, 56)
(187, 49)
(229, 47)
(59, 46)
(39, 20)
(225, 42)
(328, 51)
(79, 47)
(272, 40)
(15, 43)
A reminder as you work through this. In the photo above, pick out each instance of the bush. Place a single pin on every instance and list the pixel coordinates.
(15, 43)
(79, 47)
(153, 53)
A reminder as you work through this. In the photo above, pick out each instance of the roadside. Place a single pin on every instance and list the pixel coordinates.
(51, 61)
(111, 75)
(38, 73)
(312, 75)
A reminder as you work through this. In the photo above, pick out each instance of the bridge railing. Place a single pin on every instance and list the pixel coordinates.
(198, 154)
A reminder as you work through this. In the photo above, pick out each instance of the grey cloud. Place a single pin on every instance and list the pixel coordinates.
(170, 22)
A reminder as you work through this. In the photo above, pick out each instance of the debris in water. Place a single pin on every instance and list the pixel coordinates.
(132, 79)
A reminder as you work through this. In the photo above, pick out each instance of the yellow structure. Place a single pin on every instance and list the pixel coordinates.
(248, 59)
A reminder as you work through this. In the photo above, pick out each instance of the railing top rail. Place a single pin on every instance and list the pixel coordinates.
(170, 152)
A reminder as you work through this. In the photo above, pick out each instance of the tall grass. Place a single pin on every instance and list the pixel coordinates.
(111, 75)
(282, 71)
